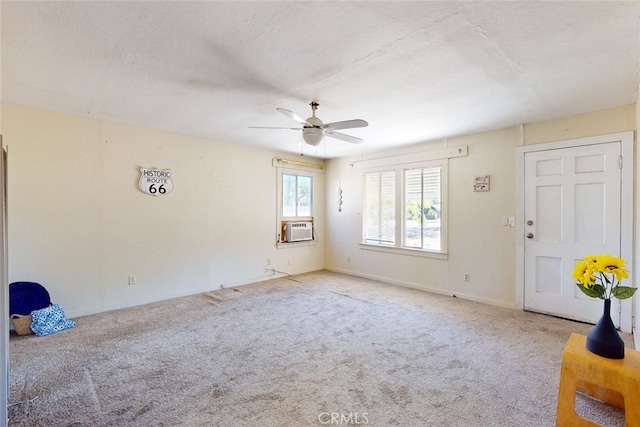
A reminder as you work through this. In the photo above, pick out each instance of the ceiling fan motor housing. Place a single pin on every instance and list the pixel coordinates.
(312, 136)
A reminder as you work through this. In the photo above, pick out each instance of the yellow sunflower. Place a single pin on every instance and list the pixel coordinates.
(583, 272)
(613, 265)
(600, 276)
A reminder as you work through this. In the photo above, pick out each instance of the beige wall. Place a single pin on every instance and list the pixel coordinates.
(4, 303)
(478, 243)
(79, 225)
(636, 331)
(613, 120)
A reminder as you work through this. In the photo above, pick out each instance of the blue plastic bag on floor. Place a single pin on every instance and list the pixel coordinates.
(49, 320)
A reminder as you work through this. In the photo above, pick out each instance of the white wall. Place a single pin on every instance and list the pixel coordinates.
(79, 225)
(4, 304)
(478, 243)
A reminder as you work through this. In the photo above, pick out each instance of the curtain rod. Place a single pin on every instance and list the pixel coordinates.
(295, 162)
(445, 153)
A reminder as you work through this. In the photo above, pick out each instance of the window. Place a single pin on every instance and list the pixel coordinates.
(297, 186)
(404, 207)
(296, 195)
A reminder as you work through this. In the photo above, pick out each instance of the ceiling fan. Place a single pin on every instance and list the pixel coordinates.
(313, 130)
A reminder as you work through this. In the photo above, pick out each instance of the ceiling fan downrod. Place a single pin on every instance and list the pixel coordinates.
(314, 106)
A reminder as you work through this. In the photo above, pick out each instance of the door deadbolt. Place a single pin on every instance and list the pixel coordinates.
(530, 236)
(529, 222)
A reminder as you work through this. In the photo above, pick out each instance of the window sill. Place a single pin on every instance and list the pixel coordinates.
(404, 251)
(283, 245)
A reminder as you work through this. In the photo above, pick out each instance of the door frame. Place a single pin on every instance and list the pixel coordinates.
(627, 209)
(4, 292)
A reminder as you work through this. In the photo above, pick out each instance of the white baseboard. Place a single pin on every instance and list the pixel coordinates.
(391, 281)
(72, 313)
(425, 288)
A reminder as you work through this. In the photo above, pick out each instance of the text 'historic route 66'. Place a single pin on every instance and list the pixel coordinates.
(156, 182)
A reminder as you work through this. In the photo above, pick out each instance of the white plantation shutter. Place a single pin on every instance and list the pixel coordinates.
(379, 222)
(422, 188)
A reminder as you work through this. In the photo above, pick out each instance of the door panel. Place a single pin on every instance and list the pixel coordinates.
(590, 202)
(572, 208)
(549, 213)
(548, 275)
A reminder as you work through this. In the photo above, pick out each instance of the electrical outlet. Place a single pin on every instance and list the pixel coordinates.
(466, 277)
(132, 280)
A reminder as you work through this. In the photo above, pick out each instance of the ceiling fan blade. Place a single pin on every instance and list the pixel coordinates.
(271, 127)
(347, 124)
(293, 116)
(343, 137)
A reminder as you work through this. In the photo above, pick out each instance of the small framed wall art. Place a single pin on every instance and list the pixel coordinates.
(481, 183)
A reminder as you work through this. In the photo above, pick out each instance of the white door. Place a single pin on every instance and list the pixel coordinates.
(572, 207)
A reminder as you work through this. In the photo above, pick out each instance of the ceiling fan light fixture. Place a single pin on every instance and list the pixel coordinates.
(314, 130)
(312, 136)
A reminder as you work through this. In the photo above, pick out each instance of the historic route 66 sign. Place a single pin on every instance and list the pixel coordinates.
(156, 182)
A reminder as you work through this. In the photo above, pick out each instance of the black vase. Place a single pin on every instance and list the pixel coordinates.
(603, 339)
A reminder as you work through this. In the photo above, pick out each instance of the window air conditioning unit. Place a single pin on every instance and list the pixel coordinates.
(298, 231)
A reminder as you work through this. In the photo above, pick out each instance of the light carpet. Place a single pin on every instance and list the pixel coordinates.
(309, 350)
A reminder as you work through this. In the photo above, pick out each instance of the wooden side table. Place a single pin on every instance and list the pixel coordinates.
(614, 381)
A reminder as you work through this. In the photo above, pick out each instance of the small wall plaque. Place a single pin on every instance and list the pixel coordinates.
(481, 183)
(156, 182)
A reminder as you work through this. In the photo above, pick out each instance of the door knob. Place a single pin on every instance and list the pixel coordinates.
(530, 236)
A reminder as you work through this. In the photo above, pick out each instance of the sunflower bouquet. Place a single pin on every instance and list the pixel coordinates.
(599, 276)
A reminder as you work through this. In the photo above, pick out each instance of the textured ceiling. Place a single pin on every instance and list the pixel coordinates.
(416, 71)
